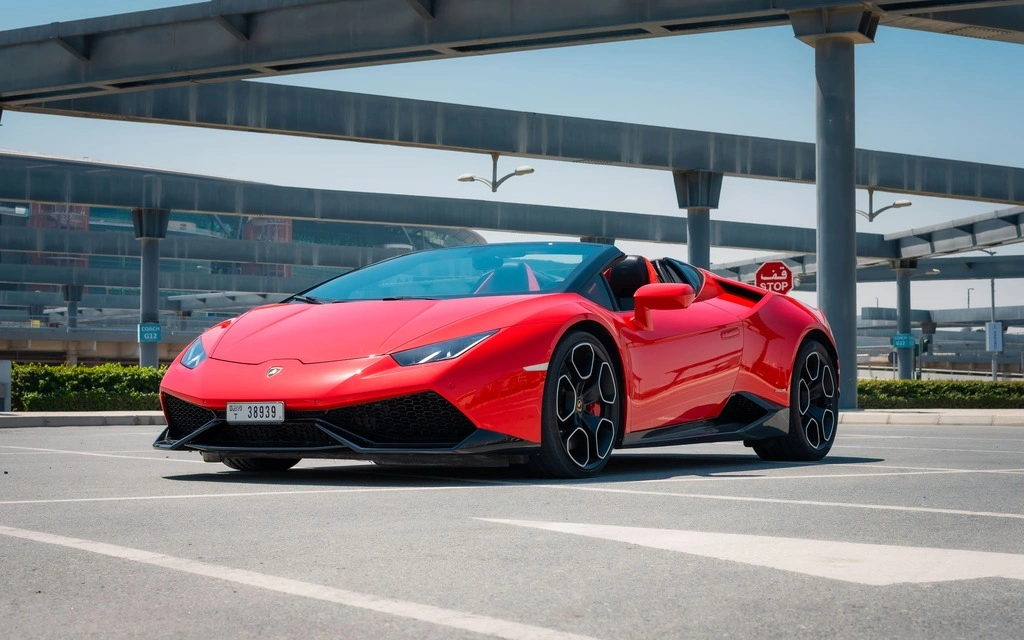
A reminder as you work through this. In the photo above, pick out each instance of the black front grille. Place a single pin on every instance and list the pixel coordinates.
(183, 418)
(425, 419)
(265, 436)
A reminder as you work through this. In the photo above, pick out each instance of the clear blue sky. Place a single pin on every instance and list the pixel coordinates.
(917, 93)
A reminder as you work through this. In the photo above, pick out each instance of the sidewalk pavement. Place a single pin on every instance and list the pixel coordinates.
(976, 417)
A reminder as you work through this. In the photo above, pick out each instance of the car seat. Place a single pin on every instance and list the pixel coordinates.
(628, 275)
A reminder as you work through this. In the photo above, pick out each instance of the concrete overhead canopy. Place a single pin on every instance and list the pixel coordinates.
(235, 39)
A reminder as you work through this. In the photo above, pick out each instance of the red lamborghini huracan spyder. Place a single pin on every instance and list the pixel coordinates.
(550, 354)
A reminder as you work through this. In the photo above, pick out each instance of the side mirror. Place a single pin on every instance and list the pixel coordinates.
(660, 296)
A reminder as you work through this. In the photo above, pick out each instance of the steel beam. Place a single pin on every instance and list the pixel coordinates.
(339, 115)
(122, 279)
(1002, 23)
(102, 243)
(989, 229)
(189, 44)
(26, 177)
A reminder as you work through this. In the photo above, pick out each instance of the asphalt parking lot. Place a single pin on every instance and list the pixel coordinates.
(909, 531)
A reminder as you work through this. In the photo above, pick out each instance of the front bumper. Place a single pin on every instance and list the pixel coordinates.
(420, 424)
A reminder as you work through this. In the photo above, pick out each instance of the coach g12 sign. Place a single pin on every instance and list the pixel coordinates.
(774, 276)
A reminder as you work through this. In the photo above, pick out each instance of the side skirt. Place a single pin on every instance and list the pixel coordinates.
(745, 417)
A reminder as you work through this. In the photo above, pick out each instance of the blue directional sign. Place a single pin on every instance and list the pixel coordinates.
(904, 341)
(150, 332)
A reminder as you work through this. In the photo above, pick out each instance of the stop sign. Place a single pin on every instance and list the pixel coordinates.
(774, 276)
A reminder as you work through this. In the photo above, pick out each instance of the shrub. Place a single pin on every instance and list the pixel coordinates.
(108, 387)
(939, 394)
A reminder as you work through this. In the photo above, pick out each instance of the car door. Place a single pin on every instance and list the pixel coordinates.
(684, 368)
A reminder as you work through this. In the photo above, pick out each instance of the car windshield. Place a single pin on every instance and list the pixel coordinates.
(478, 270)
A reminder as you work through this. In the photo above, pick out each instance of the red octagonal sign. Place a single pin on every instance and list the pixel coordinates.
(774, 276)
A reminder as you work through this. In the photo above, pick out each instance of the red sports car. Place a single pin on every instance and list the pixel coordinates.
(548, 354)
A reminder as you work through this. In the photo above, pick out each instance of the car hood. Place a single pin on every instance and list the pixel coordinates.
(315, 333)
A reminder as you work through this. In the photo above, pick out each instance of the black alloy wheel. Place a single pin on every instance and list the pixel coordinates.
(813, 409)
(582, 412)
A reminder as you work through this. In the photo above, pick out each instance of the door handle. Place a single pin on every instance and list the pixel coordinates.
(731, 332)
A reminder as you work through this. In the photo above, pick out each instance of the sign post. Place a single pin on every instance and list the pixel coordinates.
(774, 276)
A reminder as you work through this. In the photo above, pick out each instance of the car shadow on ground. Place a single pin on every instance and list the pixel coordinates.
(622, 468)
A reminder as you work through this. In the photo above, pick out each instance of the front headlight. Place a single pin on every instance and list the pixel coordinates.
(440, 351)
(194, 355)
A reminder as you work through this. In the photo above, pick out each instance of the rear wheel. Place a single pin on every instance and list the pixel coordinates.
(261, 464)
(582, 411)
(813, 409)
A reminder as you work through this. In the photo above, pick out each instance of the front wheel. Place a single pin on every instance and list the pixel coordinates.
(582, 411)
(813, 409)
(261, 465)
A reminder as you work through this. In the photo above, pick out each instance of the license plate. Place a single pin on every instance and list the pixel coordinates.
(250, 412)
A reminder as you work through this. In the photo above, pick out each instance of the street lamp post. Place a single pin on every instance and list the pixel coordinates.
(871, 214)
(494, 182)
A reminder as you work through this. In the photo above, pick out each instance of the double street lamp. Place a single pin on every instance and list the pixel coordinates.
(871, 214)
(495, 182)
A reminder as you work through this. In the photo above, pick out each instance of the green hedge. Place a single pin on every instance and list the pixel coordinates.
(90, 401)
(112, 387)
(939, 394)
(109, 387)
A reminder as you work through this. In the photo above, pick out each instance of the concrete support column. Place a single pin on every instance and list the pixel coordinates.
(905, 356)
(698, 237)
(72, 296)
(698, 192)
(833, 34)
(150, 226)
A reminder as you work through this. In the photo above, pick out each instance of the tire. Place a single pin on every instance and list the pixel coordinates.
(813, 409)
(261, 465)
(582, 409)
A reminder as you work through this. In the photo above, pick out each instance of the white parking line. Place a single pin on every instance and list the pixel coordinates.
(102, 455)
(450, 618)
(815, 476)
(916, 437)
(815, 503)
(812, 503)
(243, 494)
(861, 446)
(869, 564)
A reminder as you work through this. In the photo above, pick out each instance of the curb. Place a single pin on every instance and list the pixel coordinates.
(913, 419)
(88, 420)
